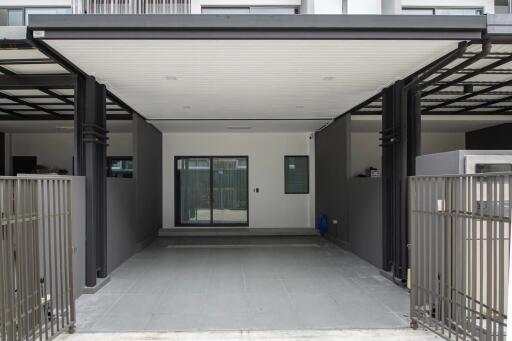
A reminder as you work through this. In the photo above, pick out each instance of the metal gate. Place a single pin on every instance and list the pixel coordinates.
(460, 247)
(36, 278)
(460, 234)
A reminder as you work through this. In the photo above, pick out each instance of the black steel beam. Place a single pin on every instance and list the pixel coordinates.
(460, 80)
(25, 81)
(63, 98)
(436, 67)
(484, 104)
(13, 114)
(28, 104)
(32, 61)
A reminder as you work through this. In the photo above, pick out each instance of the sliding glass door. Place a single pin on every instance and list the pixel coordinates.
(212, 191)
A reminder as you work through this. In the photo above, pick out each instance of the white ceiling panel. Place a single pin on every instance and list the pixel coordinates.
(240, 79)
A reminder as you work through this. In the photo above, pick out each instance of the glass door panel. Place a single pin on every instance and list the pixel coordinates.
(229, 190)
(193, 176)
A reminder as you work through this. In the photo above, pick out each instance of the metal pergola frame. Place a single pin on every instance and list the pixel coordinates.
(456, 91)
(51, 95)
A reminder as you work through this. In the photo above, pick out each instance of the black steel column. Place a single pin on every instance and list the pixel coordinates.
(90, 160)
(401, 143)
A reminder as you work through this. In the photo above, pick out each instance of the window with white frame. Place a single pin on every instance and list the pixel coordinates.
(442, 11)
(249, 10)
(19, 16)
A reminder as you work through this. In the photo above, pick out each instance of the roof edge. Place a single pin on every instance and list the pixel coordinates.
(258, 27)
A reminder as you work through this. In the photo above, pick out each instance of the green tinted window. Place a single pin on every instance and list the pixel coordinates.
(296, 174)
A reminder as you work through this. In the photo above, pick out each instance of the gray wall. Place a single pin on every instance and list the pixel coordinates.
(121, 222)
(78, 232)
(366, 219)
(332, 169)
(148, 179)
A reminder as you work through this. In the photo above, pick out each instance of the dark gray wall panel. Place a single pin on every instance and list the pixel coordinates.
(148, 176)
(365, 206)
(491, 138)
(332, 169)
(121, 220)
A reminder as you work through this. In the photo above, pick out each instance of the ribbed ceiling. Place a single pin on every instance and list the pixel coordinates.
(240, 79)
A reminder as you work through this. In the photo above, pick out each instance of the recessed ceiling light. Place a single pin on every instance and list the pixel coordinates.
(171, 78)
(239, 127)
(328, 78)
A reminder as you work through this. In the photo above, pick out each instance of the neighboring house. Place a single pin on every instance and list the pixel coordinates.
(16, 12)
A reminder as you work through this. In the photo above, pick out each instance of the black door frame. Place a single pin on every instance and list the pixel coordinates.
(177, 197)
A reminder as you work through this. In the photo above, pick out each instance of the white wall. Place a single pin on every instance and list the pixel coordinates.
(197, 4)
(366, 151)
(364, 7)
(268, 208)
(55, 150)
(327, 6)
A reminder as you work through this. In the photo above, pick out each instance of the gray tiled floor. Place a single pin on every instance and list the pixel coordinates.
(253, 283)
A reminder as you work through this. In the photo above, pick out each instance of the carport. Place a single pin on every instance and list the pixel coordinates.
(281, 75)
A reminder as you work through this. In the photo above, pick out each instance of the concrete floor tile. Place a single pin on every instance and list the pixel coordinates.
(182, 287)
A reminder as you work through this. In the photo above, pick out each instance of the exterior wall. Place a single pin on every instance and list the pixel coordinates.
(364, 7)
(332, 163)
(56, 149)
(307, 7)
(270, 208)
(147, 173)
(366, 151)
(197, 4)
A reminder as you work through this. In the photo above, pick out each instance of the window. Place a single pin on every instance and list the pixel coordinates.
(11, 17)
(19, 16)
(296, 174)
(120, 166)
(211, 191)
(251, 10)
(442, 11)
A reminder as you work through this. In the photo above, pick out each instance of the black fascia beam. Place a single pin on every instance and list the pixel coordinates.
(369, 27)
(33, 81)
(484, 91)
(461, 79)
